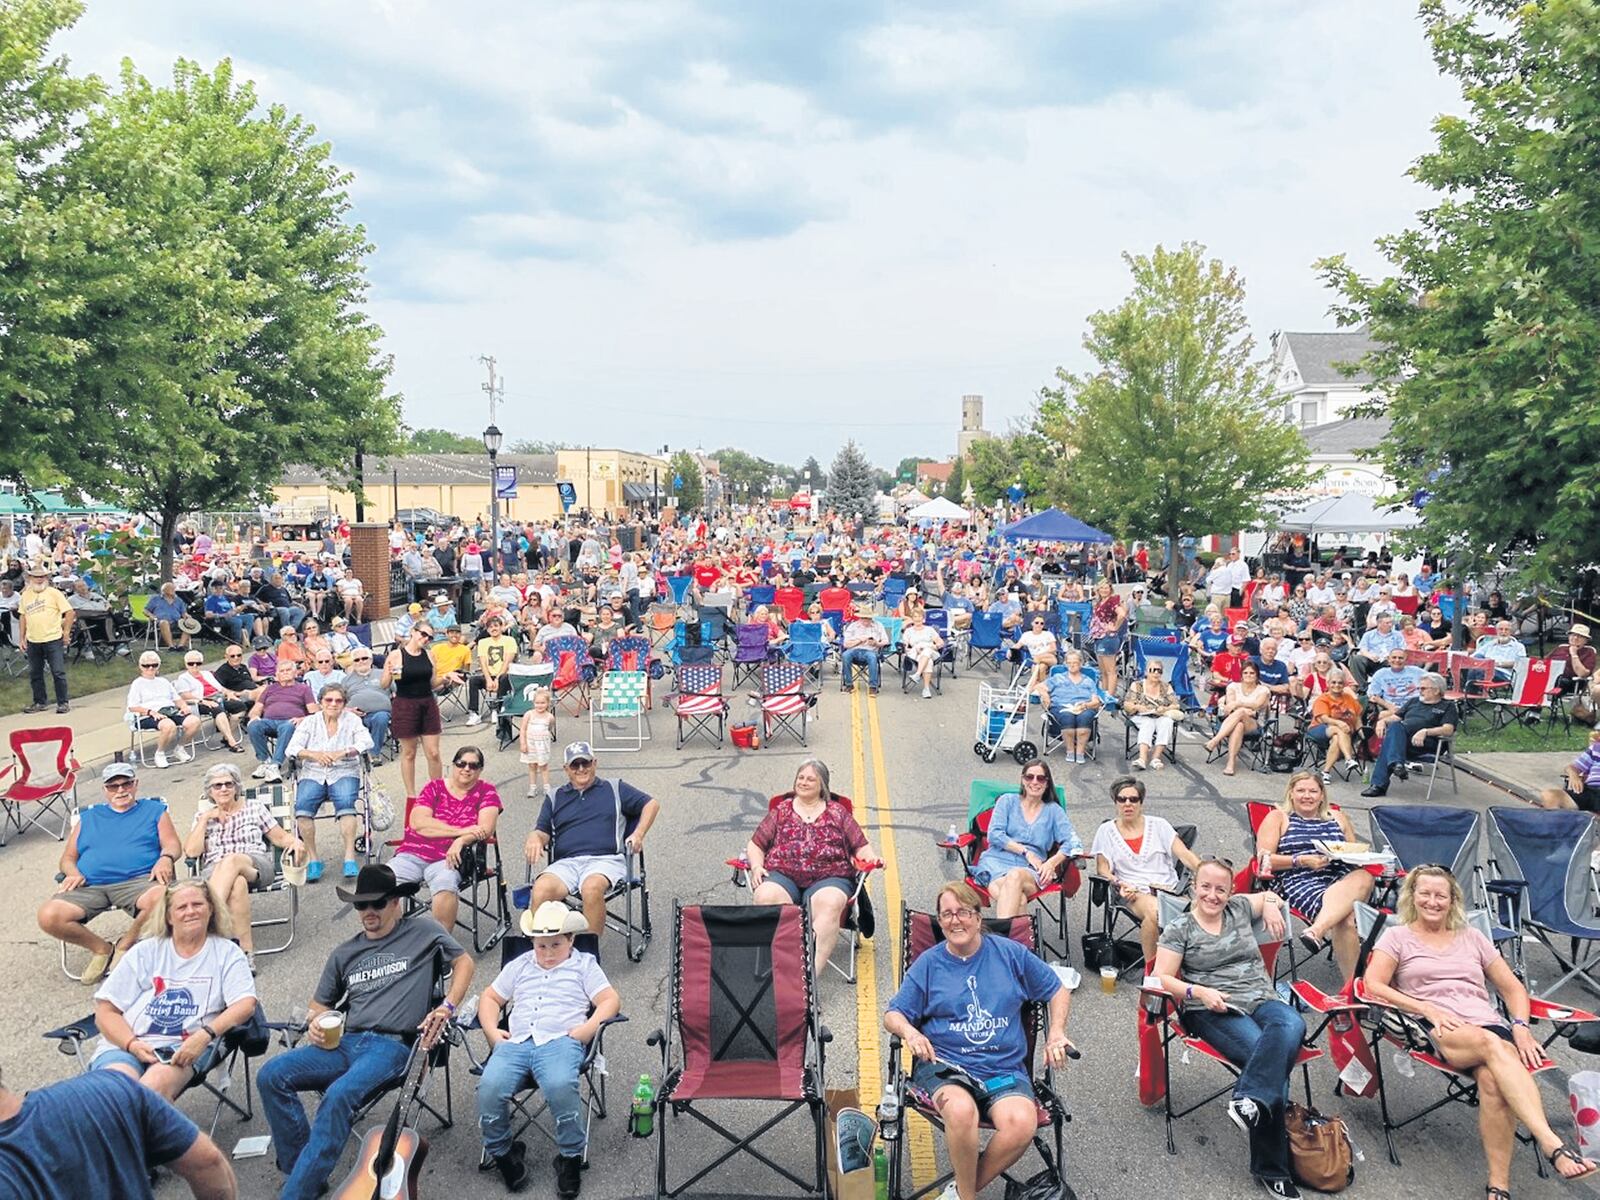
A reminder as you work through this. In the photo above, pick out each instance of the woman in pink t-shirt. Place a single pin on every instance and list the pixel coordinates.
(1435, 967)
(445, 823)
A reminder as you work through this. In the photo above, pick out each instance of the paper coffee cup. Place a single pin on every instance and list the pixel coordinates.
(332, 1026)
(294, 873)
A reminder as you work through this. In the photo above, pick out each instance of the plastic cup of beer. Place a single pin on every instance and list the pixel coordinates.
(332, 1026)
(1108, 979)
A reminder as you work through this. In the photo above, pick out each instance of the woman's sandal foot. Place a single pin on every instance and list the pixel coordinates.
(1555, 1156)
(1490, 1192)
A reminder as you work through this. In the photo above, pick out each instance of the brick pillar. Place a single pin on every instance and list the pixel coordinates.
(369, 559)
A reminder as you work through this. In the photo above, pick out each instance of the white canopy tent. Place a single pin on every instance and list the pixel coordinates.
(1349, 513)
(910, 498)
(938, 509)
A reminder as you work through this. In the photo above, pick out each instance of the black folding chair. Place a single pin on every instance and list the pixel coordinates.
(743, 1012)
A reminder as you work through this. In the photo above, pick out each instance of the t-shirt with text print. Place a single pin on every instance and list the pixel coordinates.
(389, 980)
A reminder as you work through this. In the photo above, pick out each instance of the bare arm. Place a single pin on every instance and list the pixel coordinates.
(206, 1170)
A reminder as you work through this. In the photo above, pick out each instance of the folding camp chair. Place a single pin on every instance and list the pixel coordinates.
(1248, 879)
(623, 699)
(278, 800)
(758, 595)
(574, 671)
(743, 1013)
(920, 932)
(627, 900)
(633, 652)
(700, 706)
(1546, 856)
(525, 683)
(680, 585)
(714, 628)
(1421, 834)
(1075, 618)
(939, 619)
(213, 1069)
(40, 779)
(1160, 1009)
(750, 650)
(985, 643)
(528, 1106)
(1472, 683)
(483, 909)
(807, 646)
(662, 622)
(1050, 735)
(981, 799)
(785, 703)
(792, 602)
(1535, 689)
(858, 917)
(1118, 925)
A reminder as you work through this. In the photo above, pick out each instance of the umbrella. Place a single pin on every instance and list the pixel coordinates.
(938, 509)
(1349, 513)
(1053, 525)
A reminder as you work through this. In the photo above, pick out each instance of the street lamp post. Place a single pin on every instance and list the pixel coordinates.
(491, 443)
(655, 484)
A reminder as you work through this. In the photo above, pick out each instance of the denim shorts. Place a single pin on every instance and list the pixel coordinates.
(925, 1078)
(1107, 646)
(112, 1057)
(798, 894)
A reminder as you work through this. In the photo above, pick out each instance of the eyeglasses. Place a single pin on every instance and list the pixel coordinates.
(224, 784)
(957, 914)
(470, 764)
(233, 654)
(368, 905)
(333, 699)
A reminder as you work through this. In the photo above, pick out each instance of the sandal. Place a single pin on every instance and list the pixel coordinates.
(1491, 1192)
(1564, 1151)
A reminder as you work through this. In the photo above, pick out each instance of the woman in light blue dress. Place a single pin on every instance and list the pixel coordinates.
(1030, 840)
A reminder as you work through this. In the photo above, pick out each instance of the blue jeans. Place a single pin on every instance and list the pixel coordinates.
(553, 1067)
(260, 729)
(1396, 744)
(377, 724)
(291, 617)
(312, 794)
(1264, 1045)
(346, 1077)
(860, 656)
(53, 655)
(1066, 721)
(233, 626)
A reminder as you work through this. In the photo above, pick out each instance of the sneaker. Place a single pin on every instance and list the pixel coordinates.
(569, 1176)
(1402, 770)
(513, 1167)
(96, 970)
(1352, 766)
(314, 870)
(1140, 765)
(35, 708)
(927, 693)
(161, 760)
(950, 1192)
(273, 775)
(260, 772)
(1244, 1112)
(535, 793)
(183, 754)
(1283, 1188)
(474, 718)
(846, 688)
(872, 691)
(61, 708)
(1158, 764)
(1327, 776)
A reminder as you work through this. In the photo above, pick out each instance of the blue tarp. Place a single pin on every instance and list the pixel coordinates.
(1053, 525)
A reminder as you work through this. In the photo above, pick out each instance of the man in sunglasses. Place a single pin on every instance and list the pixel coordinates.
(583, 822)
(449, 819)
(386, 976)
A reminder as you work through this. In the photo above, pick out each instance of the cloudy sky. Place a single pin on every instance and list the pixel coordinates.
(784, 223)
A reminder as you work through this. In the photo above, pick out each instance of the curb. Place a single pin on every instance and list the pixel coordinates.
(1493, 778)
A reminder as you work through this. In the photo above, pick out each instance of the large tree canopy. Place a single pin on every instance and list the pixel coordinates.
(1489, 325)
(227, 340)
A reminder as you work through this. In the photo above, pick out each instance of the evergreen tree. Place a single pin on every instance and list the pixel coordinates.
(851, 485)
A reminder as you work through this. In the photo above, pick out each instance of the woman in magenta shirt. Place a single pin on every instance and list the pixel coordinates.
(1434, 966)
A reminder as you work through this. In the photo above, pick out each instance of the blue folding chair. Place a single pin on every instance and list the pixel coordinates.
(987, 644)
(807, 646)
(758, 595)
(1544, 855)
(1174, 660)
(1420, 834)
(680, 585)
(1075, 616)
(894, 591)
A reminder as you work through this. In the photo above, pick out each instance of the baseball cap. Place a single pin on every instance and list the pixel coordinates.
(118, 770)
(1236, 638)
(414, 609)
(577, 751)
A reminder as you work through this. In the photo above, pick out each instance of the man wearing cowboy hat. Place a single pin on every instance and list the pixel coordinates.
(44, 625)
(385, 976)
(559, 1000)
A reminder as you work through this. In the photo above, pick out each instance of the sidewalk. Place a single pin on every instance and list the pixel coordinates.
(96, 723)
(1523, 775)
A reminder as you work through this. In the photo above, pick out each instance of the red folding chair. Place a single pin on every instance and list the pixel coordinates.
(41, 779)
(792, 602)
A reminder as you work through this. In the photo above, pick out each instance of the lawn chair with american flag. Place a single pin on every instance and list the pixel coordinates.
(785, 703)
(699, 703)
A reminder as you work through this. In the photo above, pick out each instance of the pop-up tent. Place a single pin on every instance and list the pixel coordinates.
(1053, 525)
(1349, 513)
(938, 509)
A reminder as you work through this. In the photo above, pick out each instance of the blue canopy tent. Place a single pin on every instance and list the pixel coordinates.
(1053, 525)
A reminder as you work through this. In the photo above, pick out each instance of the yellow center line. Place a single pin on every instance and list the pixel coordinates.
(919, 1133)
(869, 1069)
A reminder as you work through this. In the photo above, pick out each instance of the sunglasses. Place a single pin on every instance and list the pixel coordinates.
(118, 784)
(580, 764)
(194, 662)
(368, 905)
(471, 764)
(224, 784)
(1035, 776)
(149, 666)
(1131, 798)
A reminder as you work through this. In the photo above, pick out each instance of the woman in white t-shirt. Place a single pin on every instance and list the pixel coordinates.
(1138, 854)
(180, 988)
(1041, 646)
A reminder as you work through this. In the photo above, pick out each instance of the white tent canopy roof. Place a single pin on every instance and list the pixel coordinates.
(1349, 513)
(912, 497)
(938, 509)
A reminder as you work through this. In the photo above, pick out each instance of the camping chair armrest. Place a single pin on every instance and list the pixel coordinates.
(1323, 1002)
(72, 1036)
(9, 768)
(596, 1044)
(741, 870)
(1545, 1010)
(658, 1037)
(960, 842)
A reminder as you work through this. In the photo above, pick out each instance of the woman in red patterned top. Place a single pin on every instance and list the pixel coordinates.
(809, 850)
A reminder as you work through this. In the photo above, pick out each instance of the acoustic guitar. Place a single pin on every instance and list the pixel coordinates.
(389, 1163)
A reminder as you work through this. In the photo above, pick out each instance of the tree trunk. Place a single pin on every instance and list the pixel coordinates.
(1175, 571)
(169, 526)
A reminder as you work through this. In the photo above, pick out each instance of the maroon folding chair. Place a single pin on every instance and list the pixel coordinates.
(40, 780)
(920, 932)
(743, 1011)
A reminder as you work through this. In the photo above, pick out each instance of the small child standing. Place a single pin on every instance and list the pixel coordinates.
(538, 736)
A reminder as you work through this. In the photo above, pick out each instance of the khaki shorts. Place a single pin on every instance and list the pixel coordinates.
(266, 871)
(95, 899)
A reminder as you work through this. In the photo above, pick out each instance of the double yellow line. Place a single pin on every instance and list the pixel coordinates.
(869, 1014)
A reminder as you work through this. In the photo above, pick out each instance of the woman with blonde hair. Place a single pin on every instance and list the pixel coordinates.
(1434, 966)
(176, 992)
(1321, 890)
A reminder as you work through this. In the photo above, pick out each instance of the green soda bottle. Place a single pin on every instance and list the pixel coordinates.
(642, 1116)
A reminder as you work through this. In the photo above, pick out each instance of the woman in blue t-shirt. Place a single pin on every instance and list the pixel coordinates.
(959, 1011)
(1030, 840)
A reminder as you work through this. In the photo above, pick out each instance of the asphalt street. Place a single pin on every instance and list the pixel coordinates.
(907, 763)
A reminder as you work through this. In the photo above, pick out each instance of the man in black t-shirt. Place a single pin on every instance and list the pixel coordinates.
(385, 978)
(1415, 729)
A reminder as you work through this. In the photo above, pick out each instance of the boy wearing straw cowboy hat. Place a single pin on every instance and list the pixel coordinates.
(559, 1000)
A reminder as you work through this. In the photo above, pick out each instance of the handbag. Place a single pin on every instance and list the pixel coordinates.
(1319, 1149)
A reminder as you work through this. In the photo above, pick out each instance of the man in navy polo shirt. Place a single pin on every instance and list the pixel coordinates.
(583, 826)
(1273, 670)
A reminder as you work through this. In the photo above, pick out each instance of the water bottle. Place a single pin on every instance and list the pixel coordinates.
(642, 1116)
(889, 1116)
(950, 838)
(880, 1173)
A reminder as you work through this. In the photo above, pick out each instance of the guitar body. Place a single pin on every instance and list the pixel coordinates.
(399, 1182)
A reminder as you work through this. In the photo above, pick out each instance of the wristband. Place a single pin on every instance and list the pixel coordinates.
(448, 1007)
(170, 857)
(211, 1032)
(1188, 994)
(1519, 1021)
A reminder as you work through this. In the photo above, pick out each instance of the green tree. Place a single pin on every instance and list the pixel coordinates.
(747, 474)
(442, 441)
(538, 446)
(850, 484)
(1177, 430)
(1490, 336)
(233, 343)
(906, 471)
(819, 477)
(58, 245)
(955, 487)
(692, 494)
